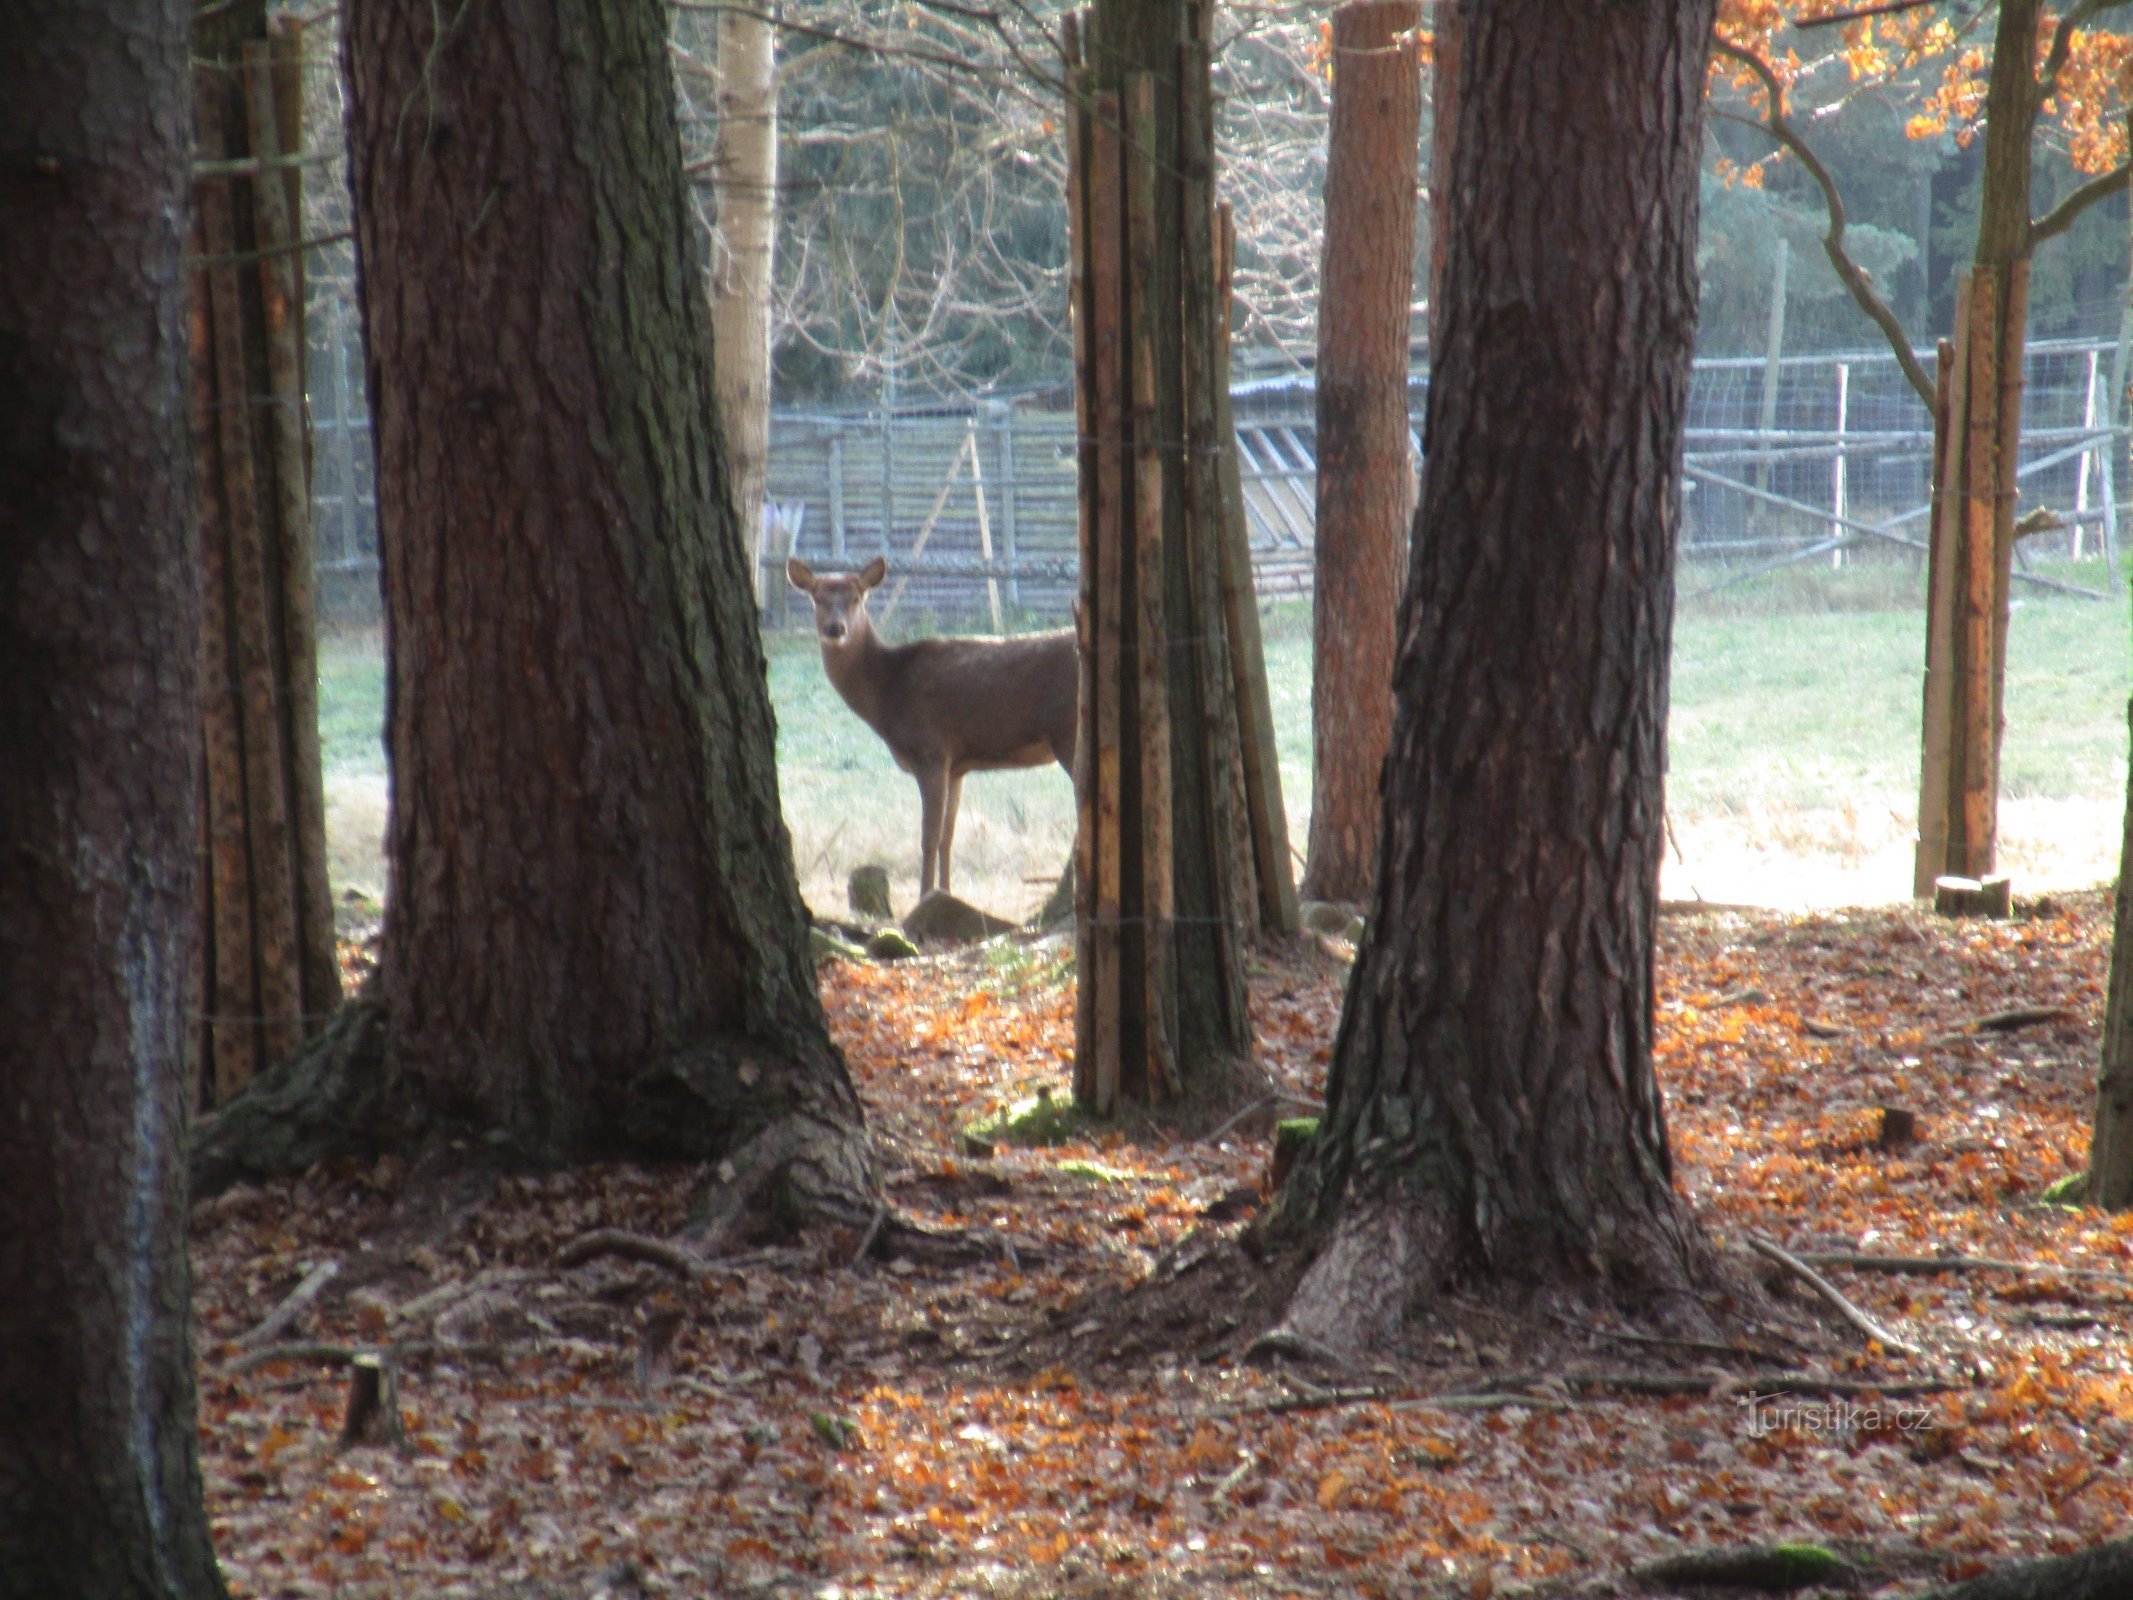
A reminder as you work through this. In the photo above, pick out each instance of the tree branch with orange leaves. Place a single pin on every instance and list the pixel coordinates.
(1853, 276)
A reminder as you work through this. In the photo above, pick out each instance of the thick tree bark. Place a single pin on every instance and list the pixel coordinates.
(99, 807)
(1492, 1112)
(2111, 1146)
(1365, 474)
(745, 179)
(595, 942)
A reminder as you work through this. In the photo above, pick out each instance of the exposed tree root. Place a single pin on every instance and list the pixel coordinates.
(1379, 1267)
(321, 1104)
(789, 1150)
(2104, 1573)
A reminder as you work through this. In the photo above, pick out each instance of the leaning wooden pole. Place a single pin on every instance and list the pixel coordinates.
(270, 970)
(268, 82)
(1166, 855)
(1151, 632)
(1942, 544)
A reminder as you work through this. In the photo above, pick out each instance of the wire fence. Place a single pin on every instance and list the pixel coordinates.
(1802, 458)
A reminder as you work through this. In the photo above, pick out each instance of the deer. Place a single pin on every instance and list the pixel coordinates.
(945, 707)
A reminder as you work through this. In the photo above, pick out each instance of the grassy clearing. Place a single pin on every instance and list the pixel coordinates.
(1794, 748)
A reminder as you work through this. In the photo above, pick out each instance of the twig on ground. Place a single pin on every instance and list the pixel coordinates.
(1829, 1291)
(292, 1306)
(633, 1246)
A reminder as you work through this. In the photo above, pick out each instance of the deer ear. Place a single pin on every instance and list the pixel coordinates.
(800, 575)
(874, 572)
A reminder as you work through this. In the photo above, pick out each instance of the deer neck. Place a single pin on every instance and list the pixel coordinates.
(854, 665)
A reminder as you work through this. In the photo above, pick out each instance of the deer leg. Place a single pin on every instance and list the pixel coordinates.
(948, 809)
(932, 795)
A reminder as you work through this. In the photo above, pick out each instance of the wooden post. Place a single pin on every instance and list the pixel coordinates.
(977, 487)
(1089, 1085)
(2011, 330)
(1158, 881)
(1970, 852)
(269, 81)
(1279, 911)
(1943, 545)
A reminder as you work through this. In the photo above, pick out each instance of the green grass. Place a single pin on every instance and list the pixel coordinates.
(1793, 749)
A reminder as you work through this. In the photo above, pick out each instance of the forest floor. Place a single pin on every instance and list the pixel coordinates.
(795, 1421)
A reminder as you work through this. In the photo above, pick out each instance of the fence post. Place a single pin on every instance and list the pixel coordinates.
(836, 493)
(2091, 458)
(1773, 349)
(1003, 419)
(888, 472)
(1836, 470)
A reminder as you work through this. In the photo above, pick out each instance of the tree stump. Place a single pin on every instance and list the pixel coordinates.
(867, 891)
(373, 1402)
(1974, 897)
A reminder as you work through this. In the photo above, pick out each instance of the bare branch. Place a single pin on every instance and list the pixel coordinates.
(1885, 8)
(2061, 216)
(1852, 275)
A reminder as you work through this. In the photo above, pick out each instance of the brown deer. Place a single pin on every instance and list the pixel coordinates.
(945, 707)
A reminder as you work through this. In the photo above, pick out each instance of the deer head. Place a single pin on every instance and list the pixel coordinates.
(840, 601)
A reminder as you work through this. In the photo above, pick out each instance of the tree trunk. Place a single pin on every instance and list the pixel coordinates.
(595, 942)
(744, 166)
(99, 806)
(2111, 1146)
(1492, 1114)
(1365, 475)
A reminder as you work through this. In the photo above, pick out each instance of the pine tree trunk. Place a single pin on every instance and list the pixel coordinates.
(1365, 474)
(595, 942)
(1492, 1113)
(99, 806)
(2111, 1146)
(745, 178)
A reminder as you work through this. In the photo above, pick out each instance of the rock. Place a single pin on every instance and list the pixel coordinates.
(867, 890)
(889, 945)
(942, 916)
(823, 945)
(1323, 916)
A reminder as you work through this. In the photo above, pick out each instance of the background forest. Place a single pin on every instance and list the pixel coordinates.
(921, 249)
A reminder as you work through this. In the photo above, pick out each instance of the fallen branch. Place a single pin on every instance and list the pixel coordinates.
(1933, 1264)
(339, 1355)
(279, 1320)
(2012, 1018)
(633, 1246)
(1765, 1384)
(1829, 1291)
